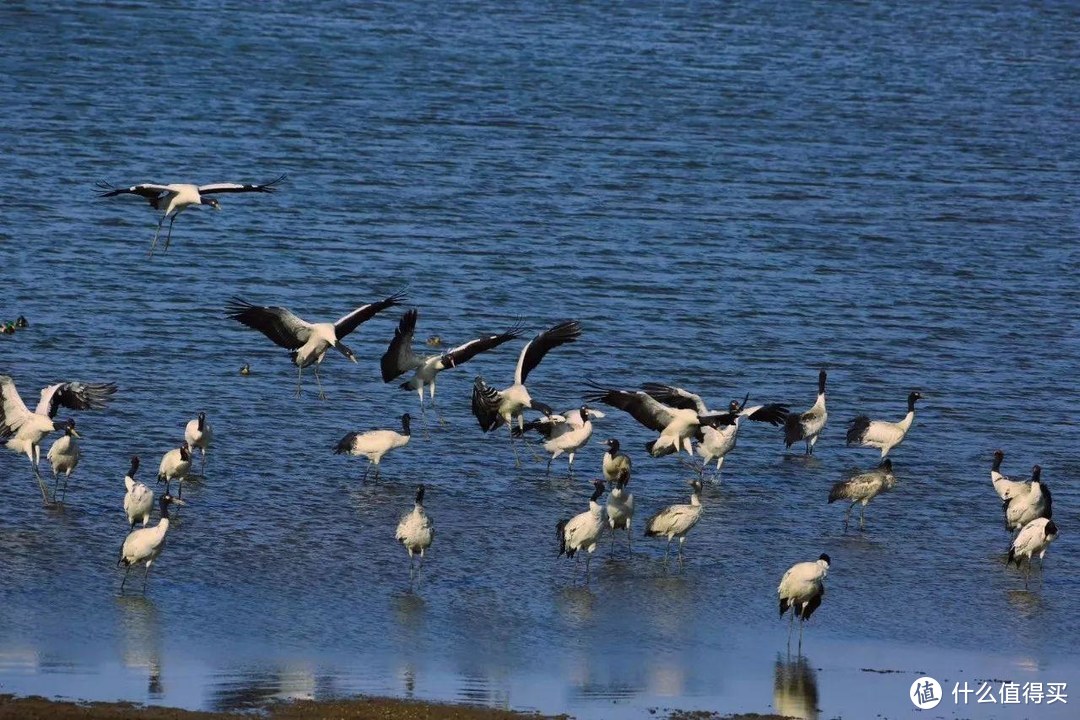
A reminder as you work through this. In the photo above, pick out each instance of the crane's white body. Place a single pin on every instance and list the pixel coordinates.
(64, 455)
(197, 437)
(138, 501)
(416, 532)
(1020, 511)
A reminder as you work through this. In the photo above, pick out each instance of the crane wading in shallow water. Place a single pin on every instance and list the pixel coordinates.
(26, 430)
(493, 408)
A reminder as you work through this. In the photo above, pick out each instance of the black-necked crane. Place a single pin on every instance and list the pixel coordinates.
(399, 357)
(675, 521)
(801, 590)
(582, 532)
(307, 342)
(1006, 487)
(145, 544)
(416, 532)
(1037, 503)
(494, 408)
(64, 456)
(566, 433)
(716, 441)
(175, 465)
(677, 426)
(1033, 539)
(174, 198)
(881, 434)
(26, 430)
(375, 443)
(139, 499)
(198, 434)
(862, 488)
(807, 426)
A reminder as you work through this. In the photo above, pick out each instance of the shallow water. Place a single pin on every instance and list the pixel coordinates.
(728, 198)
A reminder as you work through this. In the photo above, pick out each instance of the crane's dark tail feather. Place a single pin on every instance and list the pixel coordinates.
(1012, 557)
(857, 429)
(650, 447)
(560, 534)
(784, 605)
(345, 444)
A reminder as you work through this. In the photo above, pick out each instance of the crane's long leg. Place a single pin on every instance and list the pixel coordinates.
(629, 544)
(588, 559)
(37, 475)
(438, 415)
(299, 377)
(419, 571)
(847, 516)
(168, 235)
(154, 244)
(55, 484)
(801, 623)
(146, 576)
(366, 471)
(862, 517)
(318, 381)
(126, 571)
(202, 468)
(63, 496)
(510, 430)
(791, 627)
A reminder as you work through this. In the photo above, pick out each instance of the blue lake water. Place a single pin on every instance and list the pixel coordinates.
(728, 196)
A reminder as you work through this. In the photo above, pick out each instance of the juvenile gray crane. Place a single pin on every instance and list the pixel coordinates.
(145, 544)
(307, 342)
(862, 488)
(620, 508)
(675, 521)
(416, 532)
(881, 434)
(807, 426)
(801, 589)
(616, 464)
(399, 357)
(174, 198)
(26, 430)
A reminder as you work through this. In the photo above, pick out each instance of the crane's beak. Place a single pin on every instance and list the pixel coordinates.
(75, 433)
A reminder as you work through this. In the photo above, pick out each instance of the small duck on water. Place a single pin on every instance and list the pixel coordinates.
(246, 370)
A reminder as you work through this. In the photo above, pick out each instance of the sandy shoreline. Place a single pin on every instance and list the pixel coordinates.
(365, 708)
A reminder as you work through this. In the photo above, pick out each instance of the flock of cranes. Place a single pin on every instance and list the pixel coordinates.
(681, 420)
